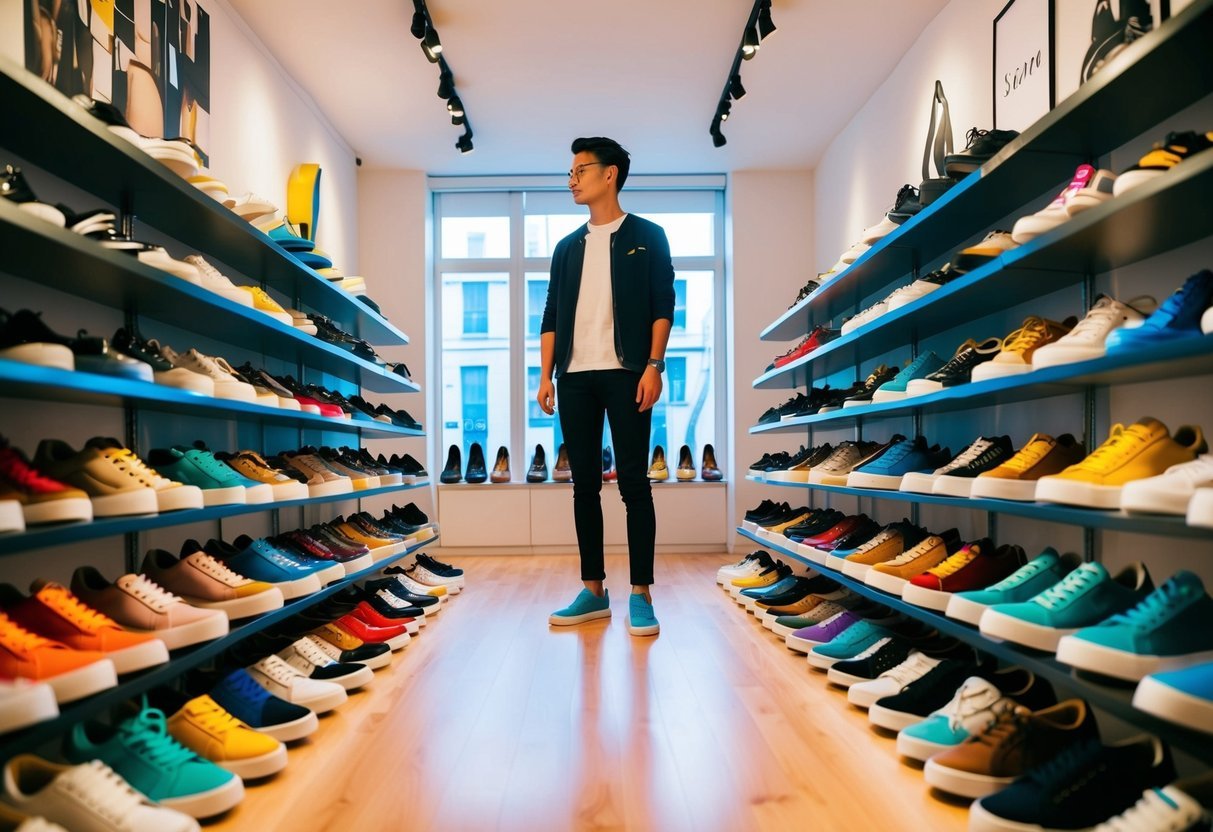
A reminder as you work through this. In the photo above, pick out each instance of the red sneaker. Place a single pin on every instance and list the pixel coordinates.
(972, 567)
(843, 527)
(812, 341)
(396, 637)
(373, 617)
(42, 499)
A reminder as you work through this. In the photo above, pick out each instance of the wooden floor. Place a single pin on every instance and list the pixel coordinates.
(492, 720)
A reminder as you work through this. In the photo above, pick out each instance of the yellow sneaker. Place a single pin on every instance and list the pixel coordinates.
(213, 734)
(369, 541)
(1015, 357)
(770, 576)
(886, 545)
(262, 302)
(1143, 449)
(1016, 478)
(893, 575)
(779, 528)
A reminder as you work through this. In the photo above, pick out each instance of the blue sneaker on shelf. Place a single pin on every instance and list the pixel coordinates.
(1177, 318)
(641, 619)
(906, 456)
(1025, 583)
(240, 695)
(585, 607)
(1181, 696)
(920, 367)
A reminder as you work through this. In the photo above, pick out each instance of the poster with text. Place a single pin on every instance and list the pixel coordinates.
(1023, 65)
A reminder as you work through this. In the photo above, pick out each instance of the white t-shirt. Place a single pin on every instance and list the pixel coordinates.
(594, 323)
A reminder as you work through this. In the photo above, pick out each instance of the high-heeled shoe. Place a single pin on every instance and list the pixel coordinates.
(501, 468)
(709, 470)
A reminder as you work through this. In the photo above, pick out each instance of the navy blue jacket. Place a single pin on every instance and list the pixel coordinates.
(642, 290)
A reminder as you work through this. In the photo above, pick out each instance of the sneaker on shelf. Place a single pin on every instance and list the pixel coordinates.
(265, 383)
(131, 344)
(1085, 597)
(888, 564)
(980, 147)
(240, 695)
(344, 646)
(72, 674)
(958, 369)
(307, 657)
(53, 612)
(993, 246)
(1016, 478)
(202, 581)
(905, 205)
(213, 280)
(24, 703)
(327, 571)
(1055, 213)
(322, 480)
(1178, 318)
(264, 564)
(1181, 805)
(906, 456)
(890, 682)
(117, 482)
(1170, 492)
(25, 337)
(1031, 579)
(1143, 449)
(1181, 696)
(985, 764)
(252, 466)
(225, 379)
(141, 750)
(921, 287)
(219, 484)
(853, 253)
(809, 288)
(286, 682)
(39, 499)
(1173, 150)
(269, 307)
(863, 317)
(975, 566)
(1020, 346)
(1170, 629)
(845, 458)
(86, 798)
(16, 190)
(981, 455)
(1085, 342)
(203, 726)
(883, 374)
(138, 604)
(894, 389)
(249, 206)
(927, 694)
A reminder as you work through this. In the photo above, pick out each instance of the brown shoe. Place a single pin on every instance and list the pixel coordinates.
(562, 472)
(501, 468)
(1015, 742)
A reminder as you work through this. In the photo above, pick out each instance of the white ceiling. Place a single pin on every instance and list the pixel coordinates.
(534, 74)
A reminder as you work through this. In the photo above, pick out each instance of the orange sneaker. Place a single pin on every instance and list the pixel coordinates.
(72, 674)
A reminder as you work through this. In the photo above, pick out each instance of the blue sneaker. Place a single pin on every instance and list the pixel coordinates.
(1171, 628)
(782, 585)
(1177, 318)
(920, 367)
(853, 641)
(240, 695)
(1182, 696)
(641, 620)
(1083, 598)
(267, 564)
(1026, 582)
(585, 607)
(905, 457)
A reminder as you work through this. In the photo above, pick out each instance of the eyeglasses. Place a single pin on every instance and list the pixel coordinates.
(577, 172)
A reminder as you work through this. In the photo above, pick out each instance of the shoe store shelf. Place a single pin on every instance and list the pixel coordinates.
(55, 535)
(1118, 233)
(27, 381)
(1160, 74)
(1178, 359)
(181, 661)
(1089, 518)
(50, 256)
(1114, 697)
(74, 146)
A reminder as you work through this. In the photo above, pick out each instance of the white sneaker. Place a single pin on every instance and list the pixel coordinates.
(302, 322)
(86, 798)
(853, 253)
(23, 703)
(306, 657)
(216, 281)
(221, 374)
(159, 258)
(1086, 340)
(881, 229)
(285, 682)
(1170, 492)
(12, 518)
(865, 317)
(1206, 321)
(1098, 190)
(1055, 213)
(430, 579)
(249, 206)
(891, 682)
(975, 705)
(182, 378)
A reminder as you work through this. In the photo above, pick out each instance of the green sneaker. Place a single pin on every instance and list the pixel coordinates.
(641, 620)
(585, 607)
(143, 753)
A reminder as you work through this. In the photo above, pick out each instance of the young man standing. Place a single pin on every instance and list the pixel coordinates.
(609, 310)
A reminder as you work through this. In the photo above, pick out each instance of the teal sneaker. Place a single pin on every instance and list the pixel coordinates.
(1170, 629)
(585, 607)
(1083, 598)
(1025, 583)
(641, 620)
(848, 644)
(141, 750)
(220, 484)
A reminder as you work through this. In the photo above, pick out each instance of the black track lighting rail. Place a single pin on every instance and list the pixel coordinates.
(423, 29)
(758, 27)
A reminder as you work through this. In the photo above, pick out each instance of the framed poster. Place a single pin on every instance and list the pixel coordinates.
(1023, 63)
(1089, 33)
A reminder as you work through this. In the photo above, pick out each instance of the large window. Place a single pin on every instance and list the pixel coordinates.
(495, 250)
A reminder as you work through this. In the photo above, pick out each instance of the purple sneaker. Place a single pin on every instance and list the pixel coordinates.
(804, 640)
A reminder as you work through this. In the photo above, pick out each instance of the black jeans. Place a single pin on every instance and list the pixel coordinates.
(583, 398)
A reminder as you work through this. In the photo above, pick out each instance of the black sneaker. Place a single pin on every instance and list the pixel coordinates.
(906, 205)
(776, 510)
(453, 472)
(959, 368)
(538, 472)
(809, 288)
(886, 657)
(412, 514)
(477, 470)
(390, 584)
(818, 398)
(984, 454)
(879, 376)
(835, 399)
(924, 695)
(778, 461)
(815, 525)
(784, 516)
(981, 147)
(759, 510)
(402, 418)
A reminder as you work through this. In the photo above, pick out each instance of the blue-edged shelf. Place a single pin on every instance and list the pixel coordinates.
(1111, 696)
(1179, 359)
(135, 684)
(37, 537)
(74, 146)
(1089, 518)
(1118, 233)
(27, 381)
(1161, 73)
(51, 256)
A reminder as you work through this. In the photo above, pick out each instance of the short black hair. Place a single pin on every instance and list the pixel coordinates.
(607, 151)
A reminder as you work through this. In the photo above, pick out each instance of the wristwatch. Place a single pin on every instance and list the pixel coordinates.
(658, 363)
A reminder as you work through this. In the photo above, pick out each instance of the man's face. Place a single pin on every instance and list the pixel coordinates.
(590, 179)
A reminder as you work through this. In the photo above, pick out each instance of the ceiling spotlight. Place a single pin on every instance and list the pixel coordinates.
(724, 111)
(455, 106)
(736, 90)
(718, 138)
(458, 120)
(766, 26)
(749, 46)
(446, 85)
(430, 45)
(464, 143)
(418, 27)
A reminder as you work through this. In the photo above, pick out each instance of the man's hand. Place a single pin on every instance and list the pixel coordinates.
(649, 389)
(546, 396)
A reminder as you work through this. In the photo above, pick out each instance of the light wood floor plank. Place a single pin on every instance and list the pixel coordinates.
(492, 720)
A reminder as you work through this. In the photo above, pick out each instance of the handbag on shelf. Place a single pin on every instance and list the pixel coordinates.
(939, 145)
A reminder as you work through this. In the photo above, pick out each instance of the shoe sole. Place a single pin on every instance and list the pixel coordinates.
(962, 609)
(1160, 699)
(964, 783)
(246, 607)
(294, 730)
(1200, 509)
(1148, 499)
(931, 599)
(331, 488)
(1072, 492)
(252, 768)
(210, 803)
(234, 495)
(916, 748)
(182, 379)
(891, 720)
(949, 486)
(643, 630)
(859, 479)
(11, 517)
(996, 488)
(917, 483)
(83, 681)
(298, 587)
(864, 697)
(324, 702)
(135, 501)
(196, 632)
(1107, 661)
(43, 355)
(1131, 179)
(179, 498)
(570, 620)
(139, 656)
(892, 584)
(1009, 628)
(58, 511)
(27, 705)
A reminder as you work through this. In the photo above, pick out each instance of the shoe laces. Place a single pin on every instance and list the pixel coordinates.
(275, 555)
(1037, 448)
(210, 466)
(973, 135)
(217, 569)
(960, 357)
(882, 537)
(915, 666)
(262, 297)
(962, 558)
(73, 609)
(1123, 443)
(1006, 723)
(18, 639)
(323, 646)
(245, 686)
(1152, 811)
(1020, 576)
(147, 735)
(897, 453)
(312, 464)
(1098, 321)
(20, 473)
(915, 552)
(126, 461)
(392, 601)
(101, 789)
(975, 696)
(1033, 332)
(278, 670)
(1070, 587)
(149, 592)
(979, 447)
(214, 719)
(1156, 608)
(312, 653)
